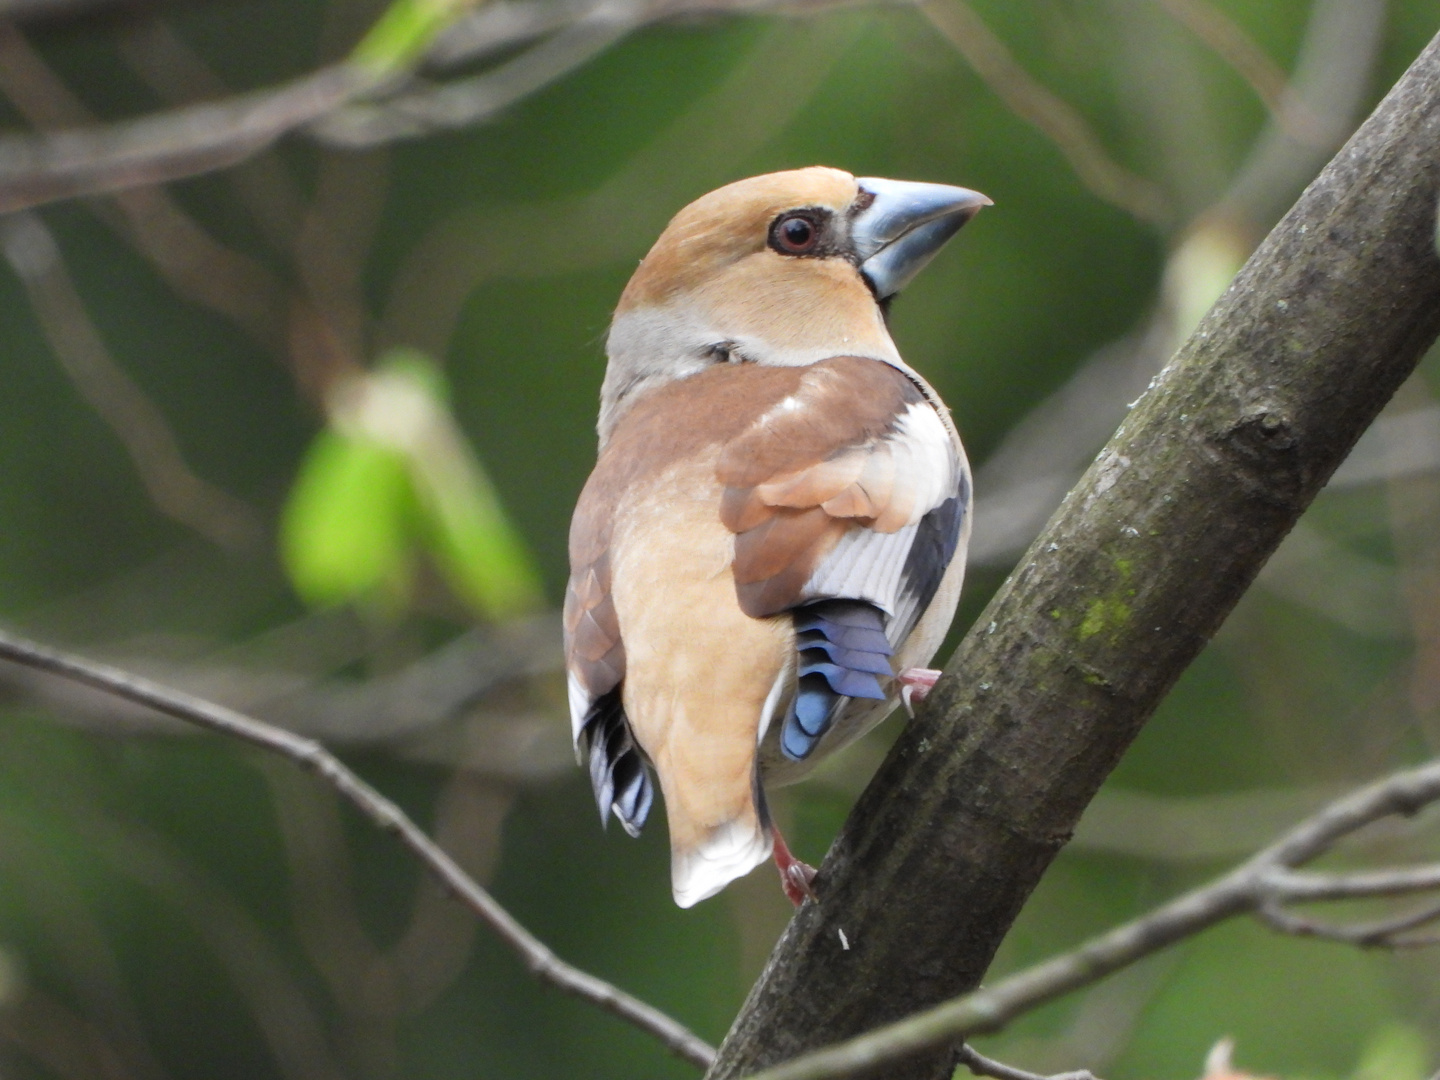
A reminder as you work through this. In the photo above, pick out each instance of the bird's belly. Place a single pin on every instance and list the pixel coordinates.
(699, 671)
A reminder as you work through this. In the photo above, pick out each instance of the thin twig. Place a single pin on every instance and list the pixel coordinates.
(179, 75)
(1380, 934)
(140, 426)
(168, 145)
(1054, 117)
(981, 1065)
(310, 755)
(501, 25)
(464, 102)
(1258, 886)
(281, 1010)
(1238, 49)
(1305, 888)
(194, 263)
(426, 708)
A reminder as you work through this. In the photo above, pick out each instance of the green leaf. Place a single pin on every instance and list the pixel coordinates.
(345, 532)
(404, 32)
(394, 476)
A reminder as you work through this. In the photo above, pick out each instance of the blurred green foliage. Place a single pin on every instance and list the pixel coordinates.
(402, 34)
(171, 908)
(345, 528)
(392, 477)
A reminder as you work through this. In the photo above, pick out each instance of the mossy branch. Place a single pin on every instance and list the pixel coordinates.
(1133, 575)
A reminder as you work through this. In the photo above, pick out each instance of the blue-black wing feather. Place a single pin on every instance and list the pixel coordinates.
(844, 645)
(842, 648)
(619, 773)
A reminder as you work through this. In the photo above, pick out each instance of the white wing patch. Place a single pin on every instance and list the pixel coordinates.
(863, 565)
(919, 463)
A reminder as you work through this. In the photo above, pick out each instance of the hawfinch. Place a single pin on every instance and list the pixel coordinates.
(774, 535)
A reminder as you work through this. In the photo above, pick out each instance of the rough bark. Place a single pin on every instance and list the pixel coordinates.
(1128, 582)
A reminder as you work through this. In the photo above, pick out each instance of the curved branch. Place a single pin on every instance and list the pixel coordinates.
(136, 421)
(355, 103)
(980, 1065)
(310, 755)
(1227, 40)
(36, 169)
(1054, 117)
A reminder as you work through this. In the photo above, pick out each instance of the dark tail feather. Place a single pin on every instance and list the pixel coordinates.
(618, 770)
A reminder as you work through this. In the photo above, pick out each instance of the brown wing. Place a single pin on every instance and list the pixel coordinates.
(685, 418)
(685, 421)
(595, 651)
(849, 449)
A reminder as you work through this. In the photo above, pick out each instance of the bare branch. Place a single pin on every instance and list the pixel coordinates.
(194, 139)
(436, 709)
(471, 101)
(1262, 886)
(578, 33)
(1056, 118)
(1238, 49)
(1380, 934)
(170, 145)
(503, 24)
(981, 1065)
(194, 263)
(1332, 76)
(1307, 888)
(139, 425)
(310, 755)
(178, 75)
(285, 1018)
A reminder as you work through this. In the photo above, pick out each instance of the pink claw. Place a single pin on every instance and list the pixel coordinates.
(915, 685)
(795, 876)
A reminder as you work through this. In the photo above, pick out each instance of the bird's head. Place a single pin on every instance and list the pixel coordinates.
(784, 269)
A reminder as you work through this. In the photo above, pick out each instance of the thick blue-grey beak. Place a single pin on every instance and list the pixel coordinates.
(904, 226)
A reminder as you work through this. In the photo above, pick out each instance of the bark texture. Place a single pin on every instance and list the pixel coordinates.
(1130, 579)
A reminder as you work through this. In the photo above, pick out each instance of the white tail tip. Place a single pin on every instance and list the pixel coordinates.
(731, 851)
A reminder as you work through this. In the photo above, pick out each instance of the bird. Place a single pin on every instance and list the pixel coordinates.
(772, 541)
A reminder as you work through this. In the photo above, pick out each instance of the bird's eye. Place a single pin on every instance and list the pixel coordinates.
(795, 234)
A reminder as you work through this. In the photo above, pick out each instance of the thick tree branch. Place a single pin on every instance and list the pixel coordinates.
(310, 755)
(1263, 886)
(1131, 578)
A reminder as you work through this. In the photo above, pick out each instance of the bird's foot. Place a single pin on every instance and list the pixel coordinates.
(795, 876)
(915, 685)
